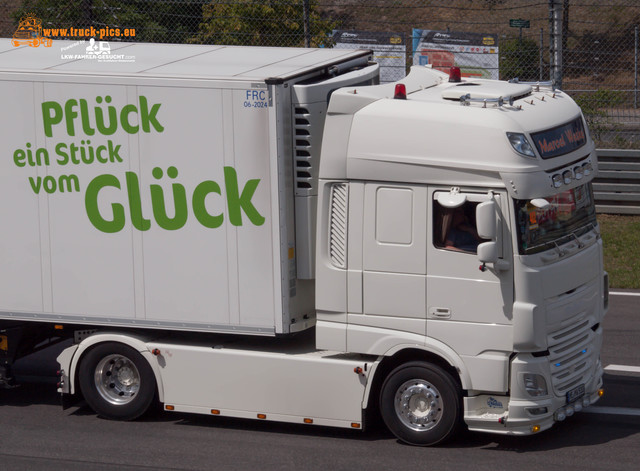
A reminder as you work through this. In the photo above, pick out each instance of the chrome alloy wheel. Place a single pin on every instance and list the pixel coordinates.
(418, 405)
(117, 379)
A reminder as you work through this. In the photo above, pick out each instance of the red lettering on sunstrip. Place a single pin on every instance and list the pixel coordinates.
(552, 145)
(574, 136)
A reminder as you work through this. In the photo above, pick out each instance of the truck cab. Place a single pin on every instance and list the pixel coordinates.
(505, 169)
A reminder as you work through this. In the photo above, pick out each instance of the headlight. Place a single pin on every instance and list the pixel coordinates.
(535, 384)
(521, 144)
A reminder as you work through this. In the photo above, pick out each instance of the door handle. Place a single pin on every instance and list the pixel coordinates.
(440, 312)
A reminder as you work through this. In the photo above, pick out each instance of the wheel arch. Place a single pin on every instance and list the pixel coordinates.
(137, 343)
(445, 358)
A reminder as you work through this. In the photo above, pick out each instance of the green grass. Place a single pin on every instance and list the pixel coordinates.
(621, 239)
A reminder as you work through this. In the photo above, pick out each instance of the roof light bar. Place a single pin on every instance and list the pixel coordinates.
(536, 85)
(466, 100)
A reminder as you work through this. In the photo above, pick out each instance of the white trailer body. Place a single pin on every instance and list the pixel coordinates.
(158, 193)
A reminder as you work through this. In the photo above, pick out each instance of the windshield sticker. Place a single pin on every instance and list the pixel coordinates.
(560, 140)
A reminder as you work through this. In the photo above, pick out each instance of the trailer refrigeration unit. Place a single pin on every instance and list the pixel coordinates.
(267, 233)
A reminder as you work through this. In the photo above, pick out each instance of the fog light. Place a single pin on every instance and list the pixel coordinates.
(535, 428)
(560, 415)
(569, 411)
(585, 402)
(537, 410)
(578, 406)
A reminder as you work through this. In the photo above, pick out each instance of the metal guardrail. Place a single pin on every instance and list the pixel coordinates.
(617, 186)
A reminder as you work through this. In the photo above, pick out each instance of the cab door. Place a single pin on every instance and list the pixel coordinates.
(470, 304)
(459, 287)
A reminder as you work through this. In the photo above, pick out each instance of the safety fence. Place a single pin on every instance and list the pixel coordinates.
(617, 186)
(589, 48)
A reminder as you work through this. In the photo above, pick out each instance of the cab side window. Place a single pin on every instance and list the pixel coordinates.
(455, 228)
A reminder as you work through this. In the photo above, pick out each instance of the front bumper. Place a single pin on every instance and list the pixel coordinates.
(520, 414)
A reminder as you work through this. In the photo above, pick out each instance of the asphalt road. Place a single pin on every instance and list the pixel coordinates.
(35, 433)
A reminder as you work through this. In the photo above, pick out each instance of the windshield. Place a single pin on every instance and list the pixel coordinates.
(569, 214)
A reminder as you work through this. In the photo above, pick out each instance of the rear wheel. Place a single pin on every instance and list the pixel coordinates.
(116, 381)
(420, 404)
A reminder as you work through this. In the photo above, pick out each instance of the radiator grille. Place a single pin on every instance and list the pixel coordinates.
(572, 355)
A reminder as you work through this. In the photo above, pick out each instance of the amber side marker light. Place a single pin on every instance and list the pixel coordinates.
(535, 428)
(169, 408)
(215, 411)
(308, 421)
(58, 327)
(355, 425)
(262, 416)
(600, 392)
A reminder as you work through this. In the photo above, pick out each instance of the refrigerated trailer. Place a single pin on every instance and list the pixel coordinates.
(268, 233)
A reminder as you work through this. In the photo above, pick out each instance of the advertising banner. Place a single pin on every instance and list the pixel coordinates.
(475, 53)
(389, 50)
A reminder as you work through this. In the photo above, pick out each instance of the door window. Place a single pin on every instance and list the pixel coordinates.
(455, 228)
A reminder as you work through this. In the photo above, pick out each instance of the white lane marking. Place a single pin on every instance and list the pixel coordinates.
(612, 410)
(622, 293)
(623, 368)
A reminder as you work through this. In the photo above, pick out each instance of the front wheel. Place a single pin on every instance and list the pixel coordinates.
(420, 404)
(116, 381)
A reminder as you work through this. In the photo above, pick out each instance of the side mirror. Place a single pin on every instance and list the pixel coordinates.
(488, 252)
(486, 221)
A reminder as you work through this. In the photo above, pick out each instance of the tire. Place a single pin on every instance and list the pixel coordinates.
(420, 404)
(116, 381)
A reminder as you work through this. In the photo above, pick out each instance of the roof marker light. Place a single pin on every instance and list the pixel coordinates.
(455, 75)
(400, 92)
